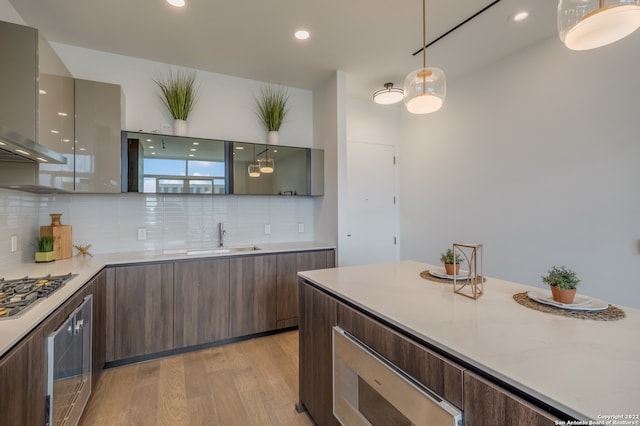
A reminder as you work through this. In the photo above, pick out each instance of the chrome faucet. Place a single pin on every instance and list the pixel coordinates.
(221, 233)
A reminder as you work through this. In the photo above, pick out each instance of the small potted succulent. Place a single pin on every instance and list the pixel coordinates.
(451, 262)
(44, 249)
(563, 284)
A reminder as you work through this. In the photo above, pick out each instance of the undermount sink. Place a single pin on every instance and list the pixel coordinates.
(221, 250)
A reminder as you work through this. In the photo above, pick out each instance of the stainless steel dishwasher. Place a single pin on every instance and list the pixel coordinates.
(69, 367)
(369, 390)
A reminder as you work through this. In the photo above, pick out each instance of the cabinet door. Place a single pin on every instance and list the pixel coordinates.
(486, 404)
(142, 310)
(22, 382)
(97, 288)
(252, 294)
(318, 314)
(201, 302)
(289, 264)
(97, 131)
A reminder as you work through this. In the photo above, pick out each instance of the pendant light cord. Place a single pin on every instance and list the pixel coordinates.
(424, 33)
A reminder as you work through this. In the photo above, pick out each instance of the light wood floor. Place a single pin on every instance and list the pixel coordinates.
(254, 382)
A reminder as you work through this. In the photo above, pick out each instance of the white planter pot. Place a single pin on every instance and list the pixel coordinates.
(273, 138)
(180, 128)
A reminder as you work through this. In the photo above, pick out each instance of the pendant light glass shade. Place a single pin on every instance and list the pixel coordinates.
(424, 90)
(389, 95)
(254, 170)
(266, 165)
(588, 24)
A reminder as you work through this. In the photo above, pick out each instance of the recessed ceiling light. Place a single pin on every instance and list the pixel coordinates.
(240, 147)
(193, 150)
(55, 132)
(62, 114)
(148, 140)
(301, 34)
(176, 3)
(520, 16)
(196, 143)
(151, 147)
(191, 155)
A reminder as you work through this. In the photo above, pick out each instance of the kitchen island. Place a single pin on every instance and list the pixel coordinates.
(565, 367)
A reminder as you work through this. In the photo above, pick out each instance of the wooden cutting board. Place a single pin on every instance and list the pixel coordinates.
(62, 245)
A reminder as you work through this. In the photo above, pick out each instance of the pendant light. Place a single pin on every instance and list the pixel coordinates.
(588, 24)
(266, 164)
(424, 88)
(389, 95)
(254, 169)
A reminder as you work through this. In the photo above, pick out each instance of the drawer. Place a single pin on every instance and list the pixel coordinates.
(425, 366)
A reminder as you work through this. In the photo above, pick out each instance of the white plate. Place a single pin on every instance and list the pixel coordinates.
(441, 273)
(580, 303)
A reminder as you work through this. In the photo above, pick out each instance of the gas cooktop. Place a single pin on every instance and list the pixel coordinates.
(18, 295)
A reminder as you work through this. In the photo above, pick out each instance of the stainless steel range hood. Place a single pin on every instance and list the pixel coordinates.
(18, 148)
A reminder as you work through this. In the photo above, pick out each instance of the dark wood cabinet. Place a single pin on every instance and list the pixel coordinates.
(23, 381)
(289, 264)
(252, 301)
(486, 404)
(433, 371)
(318, 314)
(141, 308)
(201, 302)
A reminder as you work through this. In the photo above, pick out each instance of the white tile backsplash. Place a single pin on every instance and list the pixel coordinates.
(110, 223)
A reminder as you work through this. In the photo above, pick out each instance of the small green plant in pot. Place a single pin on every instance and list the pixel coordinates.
(271, 107)
(44, 249)
(451, 262)
(179, 94)
(563, 283)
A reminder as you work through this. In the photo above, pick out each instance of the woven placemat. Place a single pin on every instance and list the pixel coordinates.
(612, 313)
(427, 276)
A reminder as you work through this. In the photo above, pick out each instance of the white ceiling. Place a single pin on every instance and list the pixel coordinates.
(371, 40)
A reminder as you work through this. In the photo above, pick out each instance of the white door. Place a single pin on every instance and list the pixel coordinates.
(371, 210)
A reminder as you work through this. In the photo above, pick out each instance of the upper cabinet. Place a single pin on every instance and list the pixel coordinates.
(99, 118)
(156, 163)
(170, 164)
(291, 171)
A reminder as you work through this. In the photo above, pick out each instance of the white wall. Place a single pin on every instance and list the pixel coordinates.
(537, 158)
(329, 116)
(224, 109)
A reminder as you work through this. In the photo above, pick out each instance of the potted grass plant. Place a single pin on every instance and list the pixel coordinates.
(44, 249)
(271, 107)
(451, 262)
(563, 283)
(179, 95)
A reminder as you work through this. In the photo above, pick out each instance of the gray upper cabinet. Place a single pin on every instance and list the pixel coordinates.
(99, 116)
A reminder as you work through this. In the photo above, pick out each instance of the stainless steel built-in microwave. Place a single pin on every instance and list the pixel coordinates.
(369, 390)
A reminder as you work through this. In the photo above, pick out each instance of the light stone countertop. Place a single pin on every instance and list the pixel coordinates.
(14, 329)
(584, 368)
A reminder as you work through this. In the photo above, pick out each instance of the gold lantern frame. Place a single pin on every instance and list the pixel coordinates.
(473, 285)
